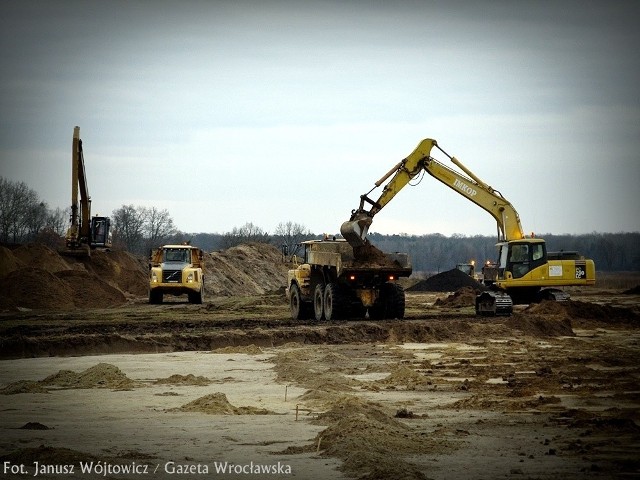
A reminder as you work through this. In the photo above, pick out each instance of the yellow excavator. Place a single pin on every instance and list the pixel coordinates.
(526, 272)
(85, 232)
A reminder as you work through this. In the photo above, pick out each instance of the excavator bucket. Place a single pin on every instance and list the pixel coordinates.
(355, 231)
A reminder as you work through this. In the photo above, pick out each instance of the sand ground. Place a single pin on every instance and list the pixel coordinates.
(450, 396)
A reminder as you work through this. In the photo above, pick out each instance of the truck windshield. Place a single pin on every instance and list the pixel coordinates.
(177, 255)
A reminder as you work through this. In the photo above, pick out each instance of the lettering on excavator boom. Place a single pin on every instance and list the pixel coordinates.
(463, 187)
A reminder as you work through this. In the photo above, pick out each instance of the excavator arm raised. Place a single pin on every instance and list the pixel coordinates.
(469, 186)
(85, 232)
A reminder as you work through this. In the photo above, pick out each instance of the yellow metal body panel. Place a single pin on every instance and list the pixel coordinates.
(185, 276)
(555, 273)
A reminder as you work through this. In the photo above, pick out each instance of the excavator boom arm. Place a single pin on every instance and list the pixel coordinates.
(471, 187)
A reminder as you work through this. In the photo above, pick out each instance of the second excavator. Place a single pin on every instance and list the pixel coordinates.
(526, 271)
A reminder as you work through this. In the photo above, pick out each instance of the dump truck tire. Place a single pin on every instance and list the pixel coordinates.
(300, 310)
(318, 302)
(335, 302)
(155, 297)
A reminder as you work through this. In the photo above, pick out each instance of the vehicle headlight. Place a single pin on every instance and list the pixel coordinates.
(190, 277)
(154, 277)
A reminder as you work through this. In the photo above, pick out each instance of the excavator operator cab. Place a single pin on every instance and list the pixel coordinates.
(100, 232)
(521, 256)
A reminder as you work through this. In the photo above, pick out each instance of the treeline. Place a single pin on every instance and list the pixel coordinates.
(436, 253)
(24, 217)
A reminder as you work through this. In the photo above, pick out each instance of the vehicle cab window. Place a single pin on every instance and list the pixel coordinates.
(519, 260)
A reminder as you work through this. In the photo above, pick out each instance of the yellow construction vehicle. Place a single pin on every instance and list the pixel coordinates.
(176, 270)
(334, 281)
(85, 232)
(526, 272)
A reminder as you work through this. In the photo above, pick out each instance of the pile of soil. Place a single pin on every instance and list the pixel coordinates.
(463, 297)
(33, 276)
(448, 281)
(573, 309)
(120, 269)
(9, 262)
(368, 441)
(247, 269)
(102, 375)
(405, 378)
(633, 291)
(541, 325)
(217, 404)
(189, 379)
(34, 426)
(246, 349)
(369, 256)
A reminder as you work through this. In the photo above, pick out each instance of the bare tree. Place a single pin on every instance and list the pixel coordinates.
(22, 214)
(128, 228)
(290, 234)
(244, 234)
(158, 226)
(58, 220)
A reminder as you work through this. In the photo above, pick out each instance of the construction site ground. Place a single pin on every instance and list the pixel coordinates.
(234, 387)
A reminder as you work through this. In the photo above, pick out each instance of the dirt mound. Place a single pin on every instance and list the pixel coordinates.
(541, 325)
(33, 276)
(369, 256)
(448, 281)
(34, 288)
(118, 268)
(246, 349)
(34, 426)
(370, 442)
(247, 269)
(217, 404)
(189, 379)
(23, 386)
(91, 291)
(573, 309)
(403, 377)
(9, 262)
(102, 375)
(41, 256)
(463, 297)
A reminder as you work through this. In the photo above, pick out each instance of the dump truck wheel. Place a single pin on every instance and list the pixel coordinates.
(395, 301)
(335, 302)
(318, 301)
(155, 297)
(195, 297)
(300, 310)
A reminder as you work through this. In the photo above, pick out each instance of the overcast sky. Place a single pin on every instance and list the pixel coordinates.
(228, 112)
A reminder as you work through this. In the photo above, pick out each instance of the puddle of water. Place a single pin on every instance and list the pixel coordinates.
(496, 381)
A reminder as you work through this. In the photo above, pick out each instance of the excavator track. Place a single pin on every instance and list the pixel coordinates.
(493, 303)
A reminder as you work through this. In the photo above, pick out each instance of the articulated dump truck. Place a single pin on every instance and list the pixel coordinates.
(176, 270)
(334, 280)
